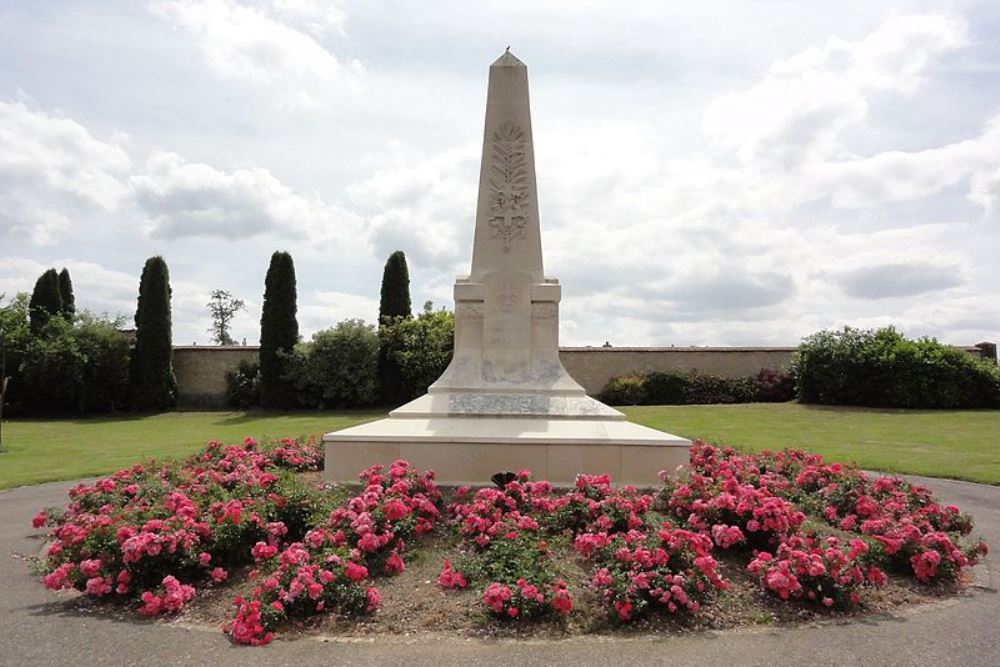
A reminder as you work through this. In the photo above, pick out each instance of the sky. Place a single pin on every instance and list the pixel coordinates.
(711, 173)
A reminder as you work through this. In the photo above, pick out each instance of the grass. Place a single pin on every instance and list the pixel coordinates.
(962, 444)
(58, 449)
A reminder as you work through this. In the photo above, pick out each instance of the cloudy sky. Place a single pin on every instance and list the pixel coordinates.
(711, 173)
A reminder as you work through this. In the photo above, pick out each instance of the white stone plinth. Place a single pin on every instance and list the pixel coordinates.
(469, 450)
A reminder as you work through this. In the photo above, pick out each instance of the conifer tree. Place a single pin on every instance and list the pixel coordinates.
(154, 386)
(46, 301)
(66, 292)
(394, 303)
(279, 332)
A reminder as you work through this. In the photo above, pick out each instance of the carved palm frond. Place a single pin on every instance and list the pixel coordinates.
(508, 183)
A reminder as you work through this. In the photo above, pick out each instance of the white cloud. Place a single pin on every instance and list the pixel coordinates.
(190, 199)
(325, 309)
(249, 44)
(97, 288)
(316, 16)
(424, 205)
(804, 102)
(50, 165)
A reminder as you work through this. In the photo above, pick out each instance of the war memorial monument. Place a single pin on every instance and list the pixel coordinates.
(505, 402)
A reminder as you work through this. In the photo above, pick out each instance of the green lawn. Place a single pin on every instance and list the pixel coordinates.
(962, 444)
(41, 451)
(959, 444)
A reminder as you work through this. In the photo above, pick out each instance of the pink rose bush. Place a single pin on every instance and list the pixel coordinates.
(636, 566)
(810, 531)
(502, 529)
(149, 534)
(330, 568)
(824, 571)
(904, 528)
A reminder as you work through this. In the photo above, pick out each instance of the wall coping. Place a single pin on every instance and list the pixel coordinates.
(217, 347)
(598, 348)
(589, 348)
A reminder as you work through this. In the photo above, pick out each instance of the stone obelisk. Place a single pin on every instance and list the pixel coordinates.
(505, 402)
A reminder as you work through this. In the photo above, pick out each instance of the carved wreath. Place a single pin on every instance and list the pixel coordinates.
(508, 185)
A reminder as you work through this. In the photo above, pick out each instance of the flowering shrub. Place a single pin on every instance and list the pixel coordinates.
(908, 530)
(671, 570)
(510, 551)
(824, 571)
(733, 512)
(328, 570)
(150, 535)
(147, 534)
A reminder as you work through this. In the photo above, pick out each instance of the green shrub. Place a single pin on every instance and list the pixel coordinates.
(420, 349)
(625, 390)
(243, 384)
(774, 386)
(666, 387)
(79, 368)
(882, 368)
(15, 335)
(680, 388)
(703, 389)
(337, 369)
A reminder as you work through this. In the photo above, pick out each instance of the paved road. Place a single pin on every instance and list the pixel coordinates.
(38, 628)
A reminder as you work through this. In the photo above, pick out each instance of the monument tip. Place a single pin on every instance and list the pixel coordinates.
(507, 59)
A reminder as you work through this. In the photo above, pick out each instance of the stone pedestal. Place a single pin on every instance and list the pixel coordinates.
(505, 402)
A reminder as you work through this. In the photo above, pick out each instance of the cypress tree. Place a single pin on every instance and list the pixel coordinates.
(152, 379)
(279, 330)
(395, 302)
(46, 301)
(66, 292)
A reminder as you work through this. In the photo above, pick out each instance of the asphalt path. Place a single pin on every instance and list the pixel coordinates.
(38, 627)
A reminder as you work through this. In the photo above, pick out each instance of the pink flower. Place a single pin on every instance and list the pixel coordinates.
(39, 519)
(373, 598)
(450, 578)
(394, 564)
(98, 586)
(218, 575)
(90, 568)
(355, 572)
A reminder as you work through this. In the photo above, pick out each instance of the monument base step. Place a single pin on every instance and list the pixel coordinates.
(469, 450)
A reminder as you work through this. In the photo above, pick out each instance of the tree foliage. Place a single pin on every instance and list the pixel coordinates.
(223, 306)
(46, 301)
(66, 293)
(337, 369)
(279, 332)
(80, 368)
(395, 298)
(394, 305)
(152, 380)
(421, 348)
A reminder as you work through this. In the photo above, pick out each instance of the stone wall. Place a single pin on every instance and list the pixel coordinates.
(594, 366)
(201, 372)
(201, 369)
